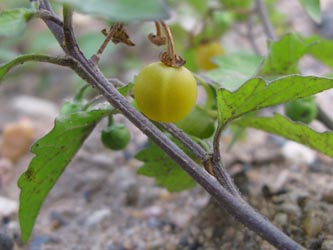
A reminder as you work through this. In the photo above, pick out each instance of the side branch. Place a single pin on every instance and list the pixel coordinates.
(267, 25)
(61, 61)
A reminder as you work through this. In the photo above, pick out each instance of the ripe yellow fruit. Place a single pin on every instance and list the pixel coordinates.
(204, 54)
(165, 94)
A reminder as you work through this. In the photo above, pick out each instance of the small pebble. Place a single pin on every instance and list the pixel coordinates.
(116, 247)
(327, 245)
(17, 138)
(98, 216)
(38, 241)
(6, 242)
(153, 211)
(297, 153)
(7, 207)
(328, 197)
(281, 219)
(33, 106)
(58, 220)
(312, 224)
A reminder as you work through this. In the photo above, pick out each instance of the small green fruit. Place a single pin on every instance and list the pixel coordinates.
(115, 137)
(303, 110)
(198, 123)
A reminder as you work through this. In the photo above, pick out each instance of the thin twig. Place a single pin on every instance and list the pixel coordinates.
(54, 27)
(266, 23)
(108, 38)
(251, 37)
(216, 143)
(218, 168)
(158, 39)
(61, 61)
(45, 4)
(67, 27)
(198, 151)
(46, 15)
(92, 101)
(170, 58)
(324, 118)
(171, 45)
(116, 82)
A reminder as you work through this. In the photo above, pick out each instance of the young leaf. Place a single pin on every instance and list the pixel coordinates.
(234, 69)
(296, 131)
(257, 94)
(312, 7)
(13, 21)
(283, 56)
(165, 171)
(125, 90)
(53, 153)
(122, 10)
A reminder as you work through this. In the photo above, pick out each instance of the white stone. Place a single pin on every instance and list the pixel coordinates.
(7, 206)
(98, 216)
(298, 153)
(33, 106)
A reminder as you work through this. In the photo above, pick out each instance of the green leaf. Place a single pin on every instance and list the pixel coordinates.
(13, 21)
(321, 49)
(283, 56)
(312, 7)
(234, 69)
(199, 5)
(165, 171)
(53, 153)
(295, 131)
(125, 90)
(122, 10)
(257, 94)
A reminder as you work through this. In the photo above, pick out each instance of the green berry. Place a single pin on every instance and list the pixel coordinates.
(115, 137)
(303, 110)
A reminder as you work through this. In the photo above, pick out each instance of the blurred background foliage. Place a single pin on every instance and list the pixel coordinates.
(232, 24)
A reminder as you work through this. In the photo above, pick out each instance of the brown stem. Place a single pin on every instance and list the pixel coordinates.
(198, 151)
(170, 58)
(158, 39)
(46, 15)
(95, 58)
(171, 45)
(266, 23)
(158, 28)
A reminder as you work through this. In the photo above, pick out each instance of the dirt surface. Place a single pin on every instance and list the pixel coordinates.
(100, 203)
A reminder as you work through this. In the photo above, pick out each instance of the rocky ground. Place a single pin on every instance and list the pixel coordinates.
(100, 202)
